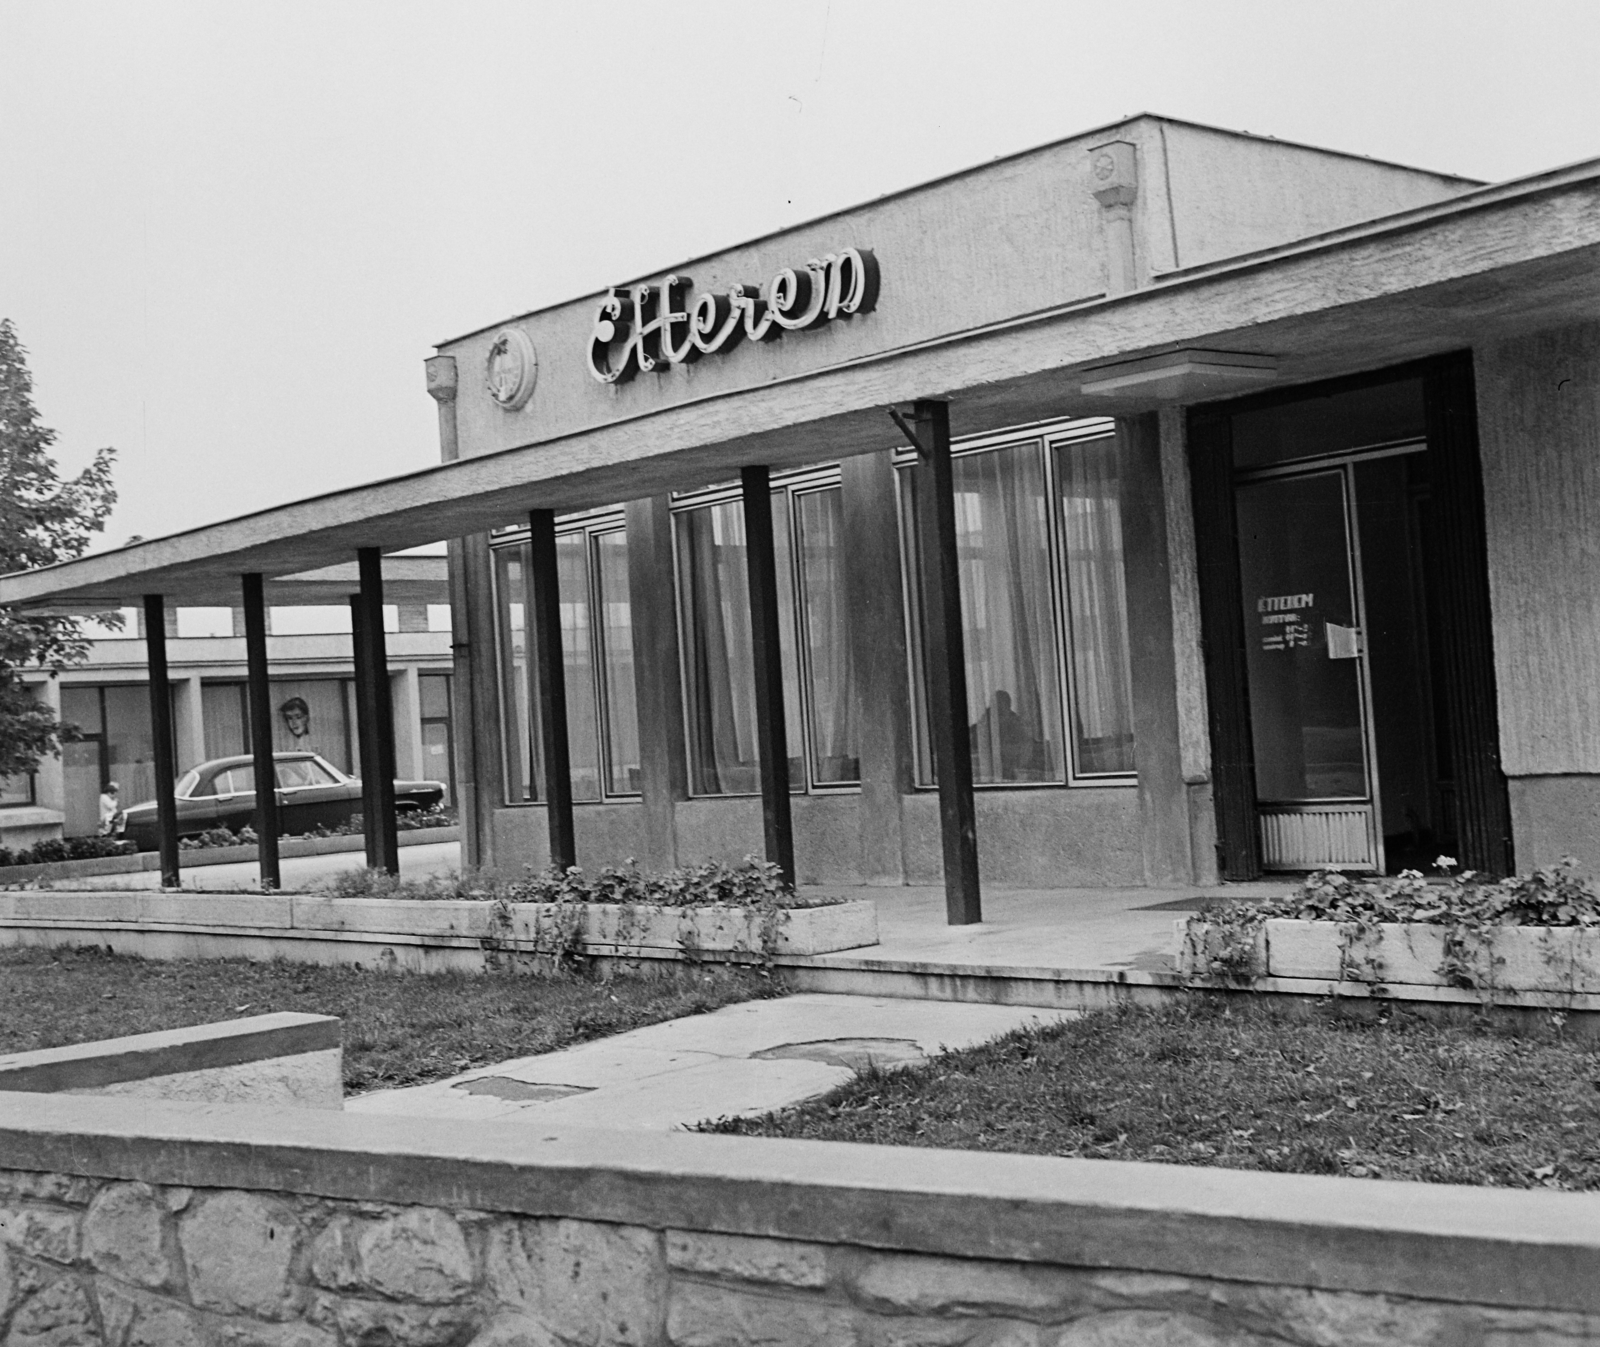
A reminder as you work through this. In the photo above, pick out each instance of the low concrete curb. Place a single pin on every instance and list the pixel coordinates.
(300, 1056)
(195, 857)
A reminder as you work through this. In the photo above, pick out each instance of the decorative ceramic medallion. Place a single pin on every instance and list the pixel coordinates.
(511, 368)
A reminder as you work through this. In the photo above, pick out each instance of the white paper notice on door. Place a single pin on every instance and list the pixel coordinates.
(1343, 642)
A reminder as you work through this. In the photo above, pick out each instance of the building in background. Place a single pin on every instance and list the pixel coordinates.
(313, 698)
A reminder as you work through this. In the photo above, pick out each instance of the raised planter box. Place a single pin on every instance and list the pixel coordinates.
(191, 858)
(644, 931)
(419, 933)
(1509, 959)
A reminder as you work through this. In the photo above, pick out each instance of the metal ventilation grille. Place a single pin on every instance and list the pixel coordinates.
(1313, 837)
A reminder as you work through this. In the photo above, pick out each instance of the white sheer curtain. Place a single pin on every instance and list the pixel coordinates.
(510, 571)
(620, 699)
(577, 660)
(835, 751)
(1003, 546)
(714, 623)
(1097, 604)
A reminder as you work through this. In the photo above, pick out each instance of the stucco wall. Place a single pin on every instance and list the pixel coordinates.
(1539, 428)
(1008, 238)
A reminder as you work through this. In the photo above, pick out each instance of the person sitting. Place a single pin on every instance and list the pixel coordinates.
(112, 819)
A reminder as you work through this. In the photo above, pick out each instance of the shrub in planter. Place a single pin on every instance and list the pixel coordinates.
(220, 837)
(67, 849)
(1470, 923)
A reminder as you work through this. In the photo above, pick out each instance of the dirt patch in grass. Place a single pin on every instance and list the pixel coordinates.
(399, 1028)
(1217, 1081)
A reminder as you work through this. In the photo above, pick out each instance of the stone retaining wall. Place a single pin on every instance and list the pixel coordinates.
(228, 1229)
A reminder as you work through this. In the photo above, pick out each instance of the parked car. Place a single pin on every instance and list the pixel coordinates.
(311, 792)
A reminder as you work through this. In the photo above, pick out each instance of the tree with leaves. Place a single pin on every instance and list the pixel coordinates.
(43, 520)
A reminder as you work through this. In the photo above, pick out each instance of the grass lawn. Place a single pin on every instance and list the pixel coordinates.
(1220, 1081)
(399, 1028)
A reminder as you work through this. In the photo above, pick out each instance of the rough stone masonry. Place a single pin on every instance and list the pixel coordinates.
(103, 1263)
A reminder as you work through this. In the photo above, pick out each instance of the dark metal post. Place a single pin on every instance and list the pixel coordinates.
(155, 642)
(544, 631)
(377, 729)
(260, 696)
(771, 737)
(366, 734)
(945, 659)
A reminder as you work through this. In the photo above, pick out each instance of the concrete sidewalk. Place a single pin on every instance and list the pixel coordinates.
(1059, 929)
(743, 1059)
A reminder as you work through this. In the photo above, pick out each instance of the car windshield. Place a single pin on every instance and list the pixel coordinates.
(189, 786)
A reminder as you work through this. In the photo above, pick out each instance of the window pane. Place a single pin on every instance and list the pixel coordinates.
(793, 715)
(510, 568)
(1003, 549)
(835, 752)
(714, 622)
(80, 706)
(433, 692)
(1097, 605)
(311, 619)
(311, 715)
(205, 622)
(227, 726)
(16, 789)
(583, 735)
(616, 654)
(130, 747)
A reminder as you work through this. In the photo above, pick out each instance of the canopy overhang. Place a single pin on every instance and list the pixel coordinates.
(1516, 257)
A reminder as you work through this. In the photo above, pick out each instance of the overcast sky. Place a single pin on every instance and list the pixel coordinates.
(231, 232)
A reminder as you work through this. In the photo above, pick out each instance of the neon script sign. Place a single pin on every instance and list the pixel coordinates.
(641, 328)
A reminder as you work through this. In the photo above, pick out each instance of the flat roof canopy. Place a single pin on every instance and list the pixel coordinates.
(1516, 257)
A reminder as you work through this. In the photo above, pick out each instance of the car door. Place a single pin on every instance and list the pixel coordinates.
(236, 798)
(311, 796)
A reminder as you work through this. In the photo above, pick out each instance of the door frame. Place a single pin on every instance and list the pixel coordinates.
(1457, 575)
(1345, 464)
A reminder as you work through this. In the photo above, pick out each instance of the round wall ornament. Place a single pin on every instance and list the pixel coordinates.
(511, 368)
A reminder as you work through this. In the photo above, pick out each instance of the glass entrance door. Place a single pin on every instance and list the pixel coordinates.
(1305, 662)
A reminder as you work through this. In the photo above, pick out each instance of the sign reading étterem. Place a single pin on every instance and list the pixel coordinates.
(640, 328)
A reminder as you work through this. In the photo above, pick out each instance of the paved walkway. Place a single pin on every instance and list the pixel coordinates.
(740, 1060)
(1058, 929)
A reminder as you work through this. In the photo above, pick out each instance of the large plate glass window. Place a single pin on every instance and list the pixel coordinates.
(714, 635)
(597, 658)
(1044, 607)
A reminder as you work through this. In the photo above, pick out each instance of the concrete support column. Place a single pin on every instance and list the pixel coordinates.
(875, 609)
(473, 699)
(188, 716)
(1160, 588)
(50, 780)
(407, 699)
(1188, 657)
(652, 603)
